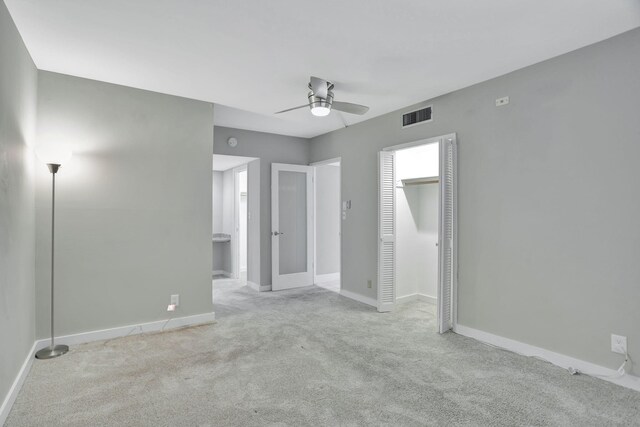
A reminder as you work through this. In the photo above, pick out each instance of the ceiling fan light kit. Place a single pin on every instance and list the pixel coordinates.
(321, 100)
(320, 106)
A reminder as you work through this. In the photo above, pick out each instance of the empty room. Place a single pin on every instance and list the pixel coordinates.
(362, 212)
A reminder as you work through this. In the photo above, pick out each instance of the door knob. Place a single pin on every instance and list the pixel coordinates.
(276, 233)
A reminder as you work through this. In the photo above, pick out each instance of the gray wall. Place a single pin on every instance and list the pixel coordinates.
(133, 206)
(327, 219)
(18, 82)
(269, 148)
(548, 199)
(218, 261)
(228, 211)
(216, 224)
(416, 238)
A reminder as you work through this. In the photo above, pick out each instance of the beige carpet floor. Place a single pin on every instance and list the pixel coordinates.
(311, 357)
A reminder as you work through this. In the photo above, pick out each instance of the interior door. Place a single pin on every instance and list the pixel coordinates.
(447, 245)
(291, 226)
(387, 232)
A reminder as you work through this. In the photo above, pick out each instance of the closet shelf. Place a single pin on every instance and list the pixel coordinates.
(221, 238)
(418, 181)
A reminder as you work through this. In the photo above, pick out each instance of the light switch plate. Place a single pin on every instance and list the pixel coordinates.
(175, 299)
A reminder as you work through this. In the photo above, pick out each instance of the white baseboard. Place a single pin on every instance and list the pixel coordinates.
(258, 288)
(357, 297)
(587, 368)
(122, 331)
(413, 297)
(323, 278)
(85, 337)
(12, 394)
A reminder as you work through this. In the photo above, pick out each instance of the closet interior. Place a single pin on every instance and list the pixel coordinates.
(417, 210)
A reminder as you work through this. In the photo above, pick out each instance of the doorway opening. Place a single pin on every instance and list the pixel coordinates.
(327, 224)
(236, 220)
(417, 250)
(417, 203)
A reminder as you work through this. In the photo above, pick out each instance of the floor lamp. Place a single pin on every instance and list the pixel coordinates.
(53, 160)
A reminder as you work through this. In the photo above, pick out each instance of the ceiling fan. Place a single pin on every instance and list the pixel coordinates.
(321, 100)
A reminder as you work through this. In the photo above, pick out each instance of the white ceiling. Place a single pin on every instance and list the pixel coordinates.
(223, 163)
(257, 55)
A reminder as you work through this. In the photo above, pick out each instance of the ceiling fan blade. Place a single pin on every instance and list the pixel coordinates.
(349, 107)
(319, 87)
(294, 108)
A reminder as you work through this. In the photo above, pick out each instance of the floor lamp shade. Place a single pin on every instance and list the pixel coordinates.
(53, 158)
(53, 155)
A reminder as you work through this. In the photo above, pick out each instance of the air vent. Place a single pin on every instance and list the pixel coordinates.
(414, 117)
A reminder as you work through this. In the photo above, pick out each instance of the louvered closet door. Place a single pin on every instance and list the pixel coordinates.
(447, 235)
(387, 232)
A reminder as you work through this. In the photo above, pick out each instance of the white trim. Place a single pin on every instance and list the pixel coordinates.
(357, 297)
(221, 272)
(587, 368)
(123, 331)
(253, 286)
(315, 223)
(235, 237)
(417, 296)
(418, 142)
(323, 278)
(12, 394)
(259, 288)
(327, 162)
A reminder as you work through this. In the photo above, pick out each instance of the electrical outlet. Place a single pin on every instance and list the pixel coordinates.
(618, 344)
(175, 300)
(502, 101)
(369, 284)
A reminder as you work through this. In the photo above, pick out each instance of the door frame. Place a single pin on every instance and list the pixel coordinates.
(315, 205)
(282, 283)
(235, 261)
(454, 287)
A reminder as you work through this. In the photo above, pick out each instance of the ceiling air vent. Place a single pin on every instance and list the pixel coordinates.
(418, 116)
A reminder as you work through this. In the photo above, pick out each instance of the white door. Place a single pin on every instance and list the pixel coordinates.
(447, 245)
(387, 232)
(291, 226)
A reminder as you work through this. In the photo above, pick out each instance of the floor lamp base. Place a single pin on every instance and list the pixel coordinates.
(50, 353)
